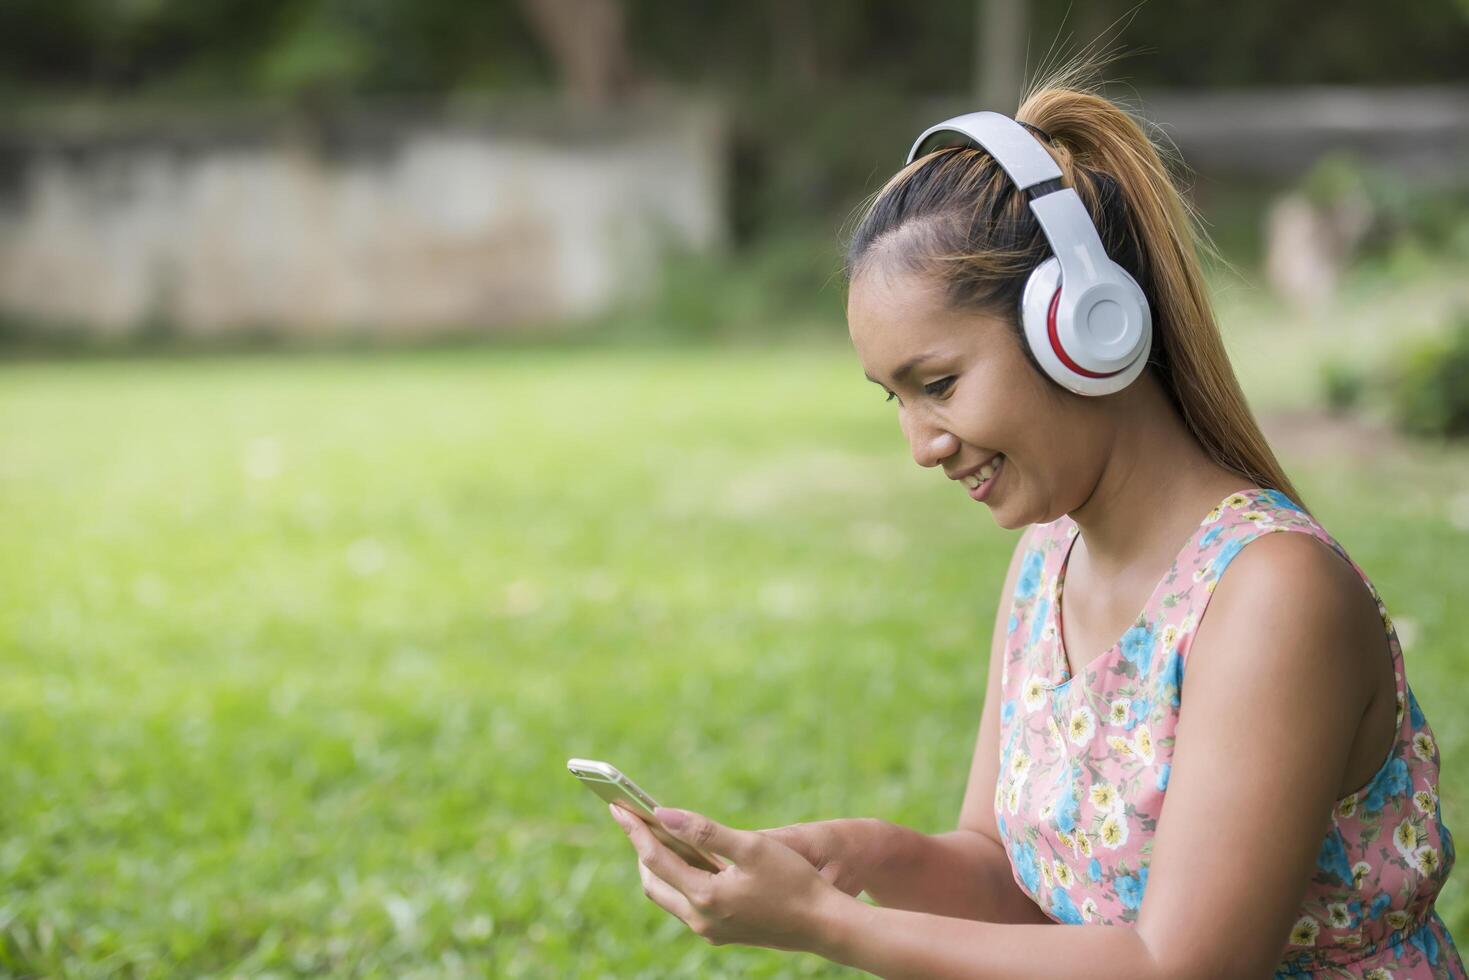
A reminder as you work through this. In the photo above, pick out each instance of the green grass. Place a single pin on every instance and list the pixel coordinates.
(295, 649)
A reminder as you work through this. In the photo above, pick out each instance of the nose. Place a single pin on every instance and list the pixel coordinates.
(931, 444)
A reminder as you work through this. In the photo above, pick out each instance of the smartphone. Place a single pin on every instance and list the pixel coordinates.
(603, 779)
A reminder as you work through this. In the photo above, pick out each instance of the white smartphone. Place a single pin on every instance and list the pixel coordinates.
(604, 779)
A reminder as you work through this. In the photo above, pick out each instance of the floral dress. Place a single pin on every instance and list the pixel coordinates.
(1084, 765)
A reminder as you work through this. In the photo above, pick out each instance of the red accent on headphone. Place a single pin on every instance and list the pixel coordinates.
(1056, 343)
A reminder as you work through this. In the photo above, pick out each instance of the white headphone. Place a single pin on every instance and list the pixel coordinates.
(1085, 318)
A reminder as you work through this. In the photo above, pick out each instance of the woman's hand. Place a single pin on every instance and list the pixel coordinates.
(770, 896)
(840, 850)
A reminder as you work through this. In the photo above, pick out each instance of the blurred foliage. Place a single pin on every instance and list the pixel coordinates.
(1397, 211)
(791, 284)
(1342, 385)
(233, 47)
(1431, 384)
(295, 648)
(800, 77)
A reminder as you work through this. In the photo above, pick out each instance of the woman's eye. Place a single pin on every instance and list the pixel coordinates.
(890, 396)
(939, 387)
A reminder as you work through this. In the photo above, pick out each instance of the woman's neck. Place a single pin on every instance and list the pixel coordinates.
(1155, 487)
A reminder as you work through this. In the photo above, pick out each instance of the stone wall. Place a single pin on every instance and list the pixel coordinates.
(388, 221)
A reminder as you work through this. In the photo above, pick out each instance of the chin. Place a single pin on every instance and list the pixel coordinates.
(1010, 525)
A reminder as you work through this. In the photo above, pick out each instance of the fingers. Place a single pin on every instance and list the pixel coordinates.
(671, 871)
(740, 846)
(665, 896)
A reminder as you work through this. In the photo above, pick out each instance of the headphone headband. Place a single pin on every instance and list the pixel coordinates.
(1087, 321)
(1025, 160)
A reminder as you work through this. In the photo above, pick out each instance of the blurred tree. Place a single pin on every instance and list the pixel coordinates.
(999, 52)
(245, 47)
(587, 40)
(320, 58)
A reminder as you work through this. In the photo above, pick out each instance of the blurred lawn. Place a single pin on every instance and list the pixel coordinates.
(295, 649)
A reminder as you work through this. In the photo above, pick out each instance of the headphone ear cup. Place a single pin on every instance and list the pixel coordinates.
(1043, 313)
(1042, 289)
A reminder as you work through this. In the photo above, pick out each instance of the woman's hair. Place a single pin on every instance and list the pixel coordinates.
(955, 216)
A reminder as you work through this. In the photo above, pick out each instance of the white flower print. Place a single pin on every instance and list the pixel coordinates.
(1083, 725)
(1405, 838)
(1423, 746)
(1142, 742)
(1104, 796)
(1113, 832)
(1034, 693)
(1305, 931)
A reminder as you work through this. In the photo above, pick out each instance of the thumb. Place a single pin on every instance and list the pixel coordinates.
(699, 830)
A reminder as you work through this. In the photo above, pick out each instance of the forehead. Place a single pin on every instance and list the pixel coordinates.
(894, 314)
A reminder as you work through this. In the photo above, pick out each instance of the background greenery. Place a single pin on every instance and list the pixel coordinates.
(296, 643)
(295, 648)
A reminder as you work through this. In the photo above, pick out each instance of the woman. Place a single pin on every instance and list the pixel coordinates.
(1302, 834)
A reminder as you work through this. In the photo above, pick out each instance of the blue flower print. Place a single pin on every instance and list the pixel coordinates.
(1211, 535)
(1137, 647)
(1274, 498)
(1415, 713)
(1064, 909)
(1163, 774)
(1007, 711)
(1014, 622)
(1426, 942)
(1140, 709)
(1038, 619)
(1030, 575)
(1379, 905)
(1130, 888)
(1170, 680)
(1390, 782)
(1333, 857)
(1067, 809)
(1226, 555)
(1094, 870)
(1030, 873)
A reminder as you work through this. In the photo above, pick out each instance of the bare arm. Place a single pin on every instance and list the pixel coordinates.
(1223, 893)
(964, 873)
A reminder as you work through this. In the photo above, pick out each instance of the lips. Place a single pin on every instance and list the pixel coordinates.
(983, 480)
(984, 473)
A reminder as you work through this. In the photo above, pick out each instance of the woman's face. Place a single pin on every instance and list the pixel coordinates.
(973, 397)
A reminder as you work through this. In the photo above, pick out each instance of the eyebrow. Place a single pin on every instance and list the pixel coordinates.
(907, 366)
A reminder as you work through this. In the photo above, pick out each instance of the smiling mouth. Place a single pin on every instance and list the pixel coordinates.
(986, 473)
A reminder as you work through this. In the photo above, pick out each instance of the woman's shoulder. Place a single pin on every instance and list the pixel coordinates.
(1294, 602)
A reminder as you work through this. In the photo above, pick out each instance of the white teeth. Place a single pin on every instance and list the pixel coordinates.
(985, 473)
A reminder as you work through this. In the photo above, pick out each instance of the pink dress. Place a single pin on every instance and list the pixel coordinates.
(1084, 765)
